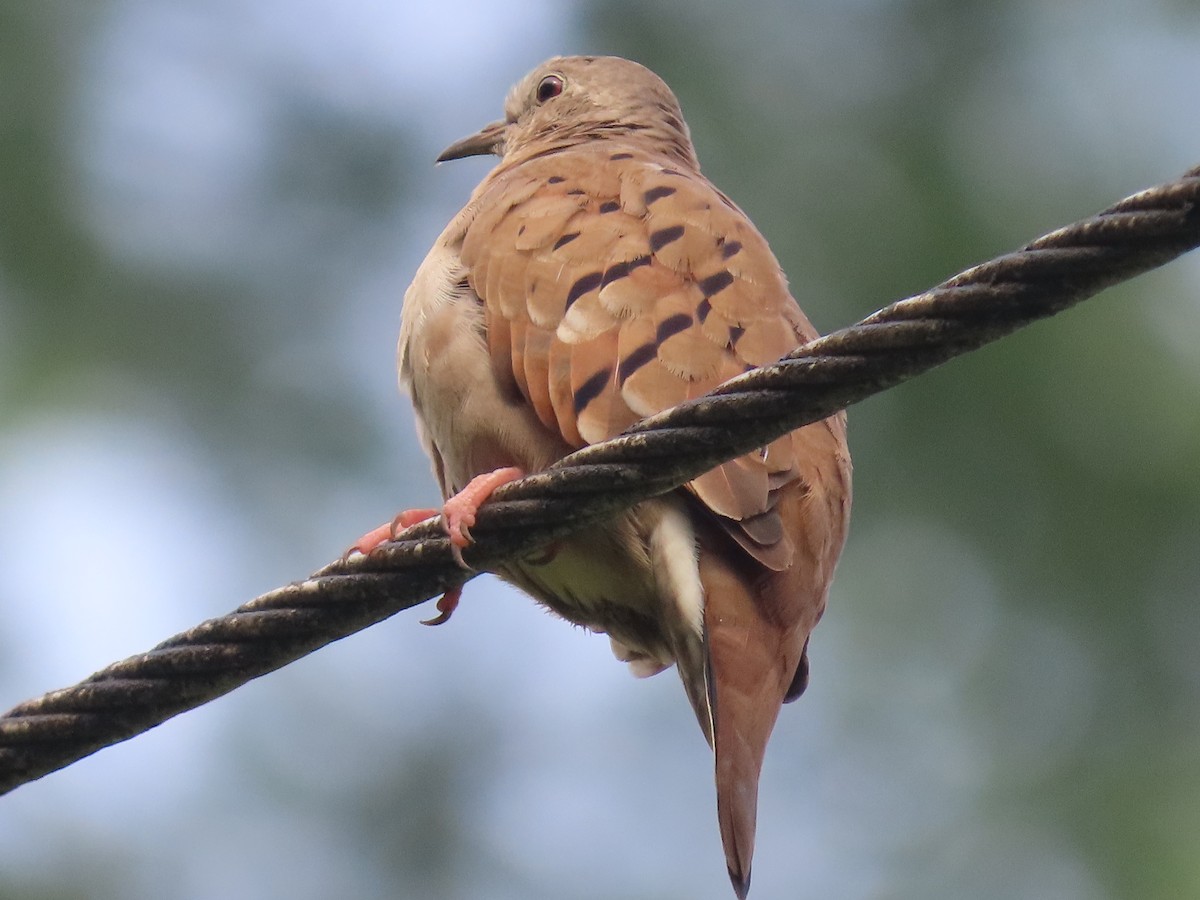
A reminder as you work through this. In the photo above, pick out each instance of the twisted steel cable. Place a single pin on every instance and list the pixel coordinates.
(656, 455)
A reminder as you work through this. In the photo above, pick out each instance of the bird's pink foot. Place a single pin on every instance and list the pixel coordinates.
(448, 602)
(388, 530)
(411, 517)
(458, 515)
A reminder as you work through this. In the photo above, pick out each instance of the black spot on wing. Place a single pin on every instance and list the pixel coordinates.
(565, 239)
(555, 179)
(585, 283)
(730, 248)
(714, 284)
(657, 193)
(620, 270)
(591, 389)
(664, 236)
(635, 360)
(672, 325)
(622, 155)
(610, 206)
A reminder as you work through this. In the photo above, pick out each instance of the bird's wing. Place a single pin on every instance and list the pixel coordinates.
(616, 286)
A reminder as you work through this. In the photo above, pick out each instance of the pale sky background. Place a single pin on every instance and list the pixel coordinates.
(507, 755)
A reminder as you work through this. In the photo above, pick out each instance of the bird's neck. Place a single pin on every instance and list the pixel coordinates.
(658, 139)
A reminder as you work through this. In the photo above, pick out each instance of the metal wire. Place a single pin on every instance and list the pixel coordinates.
(897, 342)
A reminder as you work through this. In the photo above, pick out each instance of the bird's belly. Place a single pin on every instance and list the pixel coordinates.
(467, 422)
(602, 580)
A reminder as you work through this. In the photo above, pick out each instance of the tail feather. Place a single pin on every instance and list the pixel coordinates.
(752, 656)
(751, 664)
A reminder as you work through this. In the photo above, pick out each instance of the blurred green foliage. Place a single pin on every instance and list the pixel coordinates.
(1016, 617)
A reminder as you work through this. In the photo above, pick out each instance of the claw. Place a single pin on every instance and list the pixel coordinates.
(463, 533)
(370, 540)
(458, 515)
(388, 531)
(446, 605)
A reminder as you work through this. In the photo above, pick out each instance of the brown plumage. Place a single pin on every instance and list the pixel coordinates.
(596, 277)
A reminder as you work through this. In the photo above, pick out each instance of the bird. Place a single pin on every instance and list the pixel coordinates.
(595, 277)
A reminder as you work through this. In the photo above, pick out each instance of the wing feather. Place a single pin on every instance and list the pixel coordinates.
(617, 292)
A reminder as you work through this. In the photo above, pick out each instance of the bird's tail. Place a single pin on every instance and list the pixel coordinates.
(750, 662)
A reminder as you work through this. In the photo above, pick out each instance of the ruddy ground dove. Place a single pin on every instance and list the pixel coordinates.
(596, 277)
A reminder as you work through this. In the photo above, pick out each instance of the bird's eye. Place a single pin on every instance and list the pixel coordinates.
(549, 87)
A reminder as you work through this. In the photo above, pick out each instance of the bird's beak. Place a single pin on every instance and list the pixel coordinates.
(488, 140)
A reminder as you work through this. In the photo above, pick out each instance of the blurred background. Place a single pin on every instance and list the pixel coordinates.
(209, 211)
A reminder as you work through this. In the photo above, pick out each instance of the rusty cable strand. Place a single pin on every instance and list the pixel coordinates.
(657, 454)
